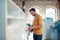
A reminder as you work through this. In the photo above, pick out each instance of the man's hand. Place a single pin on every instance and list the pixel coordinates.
(30, 29)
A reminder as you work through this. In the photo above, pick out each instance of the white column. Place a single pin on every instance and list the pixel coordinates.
(2, 19)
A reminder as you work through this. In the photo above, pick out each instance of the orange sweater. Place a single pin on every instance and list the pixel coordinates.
(37, 24)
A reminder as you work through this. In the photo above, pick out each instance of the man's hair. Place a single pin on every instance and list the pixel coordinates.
(32, 9)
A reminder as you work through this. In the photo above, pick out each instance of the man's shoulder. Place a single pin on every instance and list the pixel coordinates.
(39, 16)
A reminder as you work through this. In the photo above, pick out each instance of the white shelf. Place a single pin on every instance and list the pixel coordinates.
(13, 17)
(12, 5)
(16, 22)
(14, 11)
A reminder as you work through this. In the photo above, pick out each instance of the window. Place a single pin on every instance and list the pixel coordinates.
(50, 13)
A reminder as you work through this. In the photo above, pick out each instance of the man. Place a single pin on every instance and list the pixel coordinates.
(37, 25)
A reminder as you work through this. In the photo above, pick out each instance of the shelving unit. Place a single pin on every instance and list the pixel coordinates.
(14, 10)
(16, 22)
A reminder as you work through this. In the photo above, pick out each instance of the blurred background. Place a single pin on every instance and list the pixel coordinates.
(15, 15)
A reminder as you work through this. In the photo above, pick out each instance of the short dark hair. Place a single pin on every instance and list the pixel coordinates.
(32, 9)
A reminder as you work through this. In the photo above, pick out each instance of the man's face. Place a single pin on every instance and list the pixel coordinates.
(33, 13)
